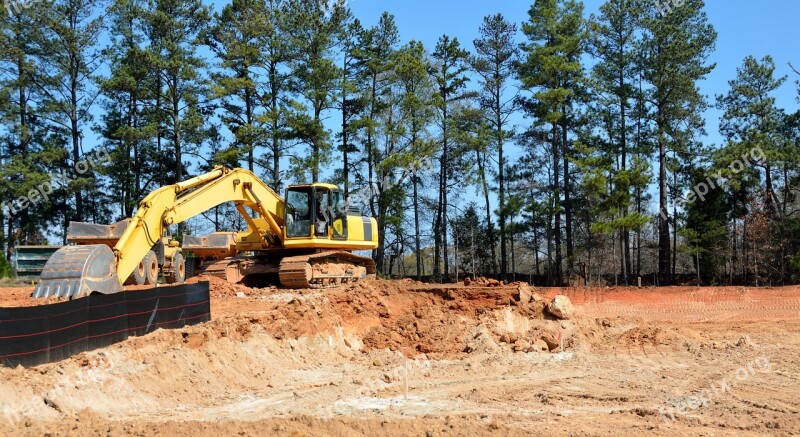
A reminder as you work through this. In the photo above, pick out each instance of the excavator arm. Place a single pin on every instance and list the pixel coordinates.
(175, 204)
(76, 271)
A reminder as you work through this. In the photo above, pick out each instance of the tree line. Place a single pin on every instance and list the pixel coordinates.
(560, 145)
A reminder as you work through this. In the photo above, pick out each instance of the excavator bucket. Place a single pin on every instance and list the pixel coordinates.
(78, 271)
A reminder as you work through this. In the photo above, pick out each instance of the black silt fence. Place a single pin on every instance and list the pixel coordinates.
(47, 333)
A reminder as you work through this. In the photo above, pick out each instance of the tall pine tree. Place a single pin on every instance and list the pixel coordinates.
(676, 48)
(494, 61)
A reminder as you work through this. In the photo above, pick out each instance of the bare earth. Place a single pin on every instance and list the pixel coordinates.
(682, 360)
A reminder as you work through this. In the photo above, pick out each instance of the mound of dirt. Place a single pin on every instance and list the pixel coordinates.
(481, 282)
(427, 319)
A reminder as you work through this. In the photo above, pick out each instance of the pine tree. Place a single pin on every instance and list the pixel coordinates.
(551, 71)
(127, 93)
(473, 244)
(19, 32)
(449, 75)
(411, 69)
(352, 99)
(751, 124)
(751, 120)
(68, 61)
(314, 32)
(615, 43)
(494, 62)
(675, 47)
(181, 85)
(376, 54)
(595, 188)
(706, 231)
(277, 94)
(237, 38)
(475, 137)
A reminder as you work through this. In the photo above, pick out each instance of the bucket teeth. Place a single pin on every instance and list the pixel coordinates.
(78, 271)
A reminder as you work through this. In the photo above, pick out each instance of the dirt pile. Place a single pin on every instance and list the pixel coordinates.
(481, 282)
(406, 316)
(429, 319)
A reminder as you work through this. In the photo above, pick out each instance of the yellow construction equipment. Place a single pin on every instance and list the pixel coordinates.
(305, 240)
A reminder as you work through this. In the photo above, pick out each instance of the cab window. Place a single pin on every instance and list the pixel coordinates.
(298, 212)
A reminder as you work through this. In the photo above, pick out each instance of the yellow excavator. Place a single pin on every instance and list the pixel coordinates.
(305, 240)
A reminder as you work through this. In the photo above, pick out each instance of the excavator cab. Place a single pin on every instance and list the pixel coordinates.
(314, 211)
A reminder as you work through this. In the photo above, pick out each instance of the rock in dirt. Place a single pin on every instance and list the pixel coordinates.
(744, 341)
(481, 340)
(551, 341)
(525, 293)
(540, 345)
(521, 345)
(561, 307)
(482, 282)
(508, 337)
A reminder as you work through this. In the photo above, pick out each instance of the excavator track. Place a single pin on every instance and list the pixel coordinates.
(324, 270)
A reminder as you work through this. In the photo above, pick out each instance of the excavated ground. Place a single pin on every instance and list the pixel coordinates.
(403, 358)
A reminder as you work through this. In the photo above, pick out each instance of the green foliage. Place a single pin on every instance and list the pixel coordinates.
(237, 37)
(6, 271)
(675, 49)
(472, 238)
(495, 62)
(706, 231)
(175, 29)
(448, 70)
(615, 159)
(552, 72)
(555, 34)
(314, 34)
(751, 122)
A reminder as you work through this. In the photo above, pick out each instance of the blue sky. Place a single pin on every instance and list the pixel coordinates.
(745, 27)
